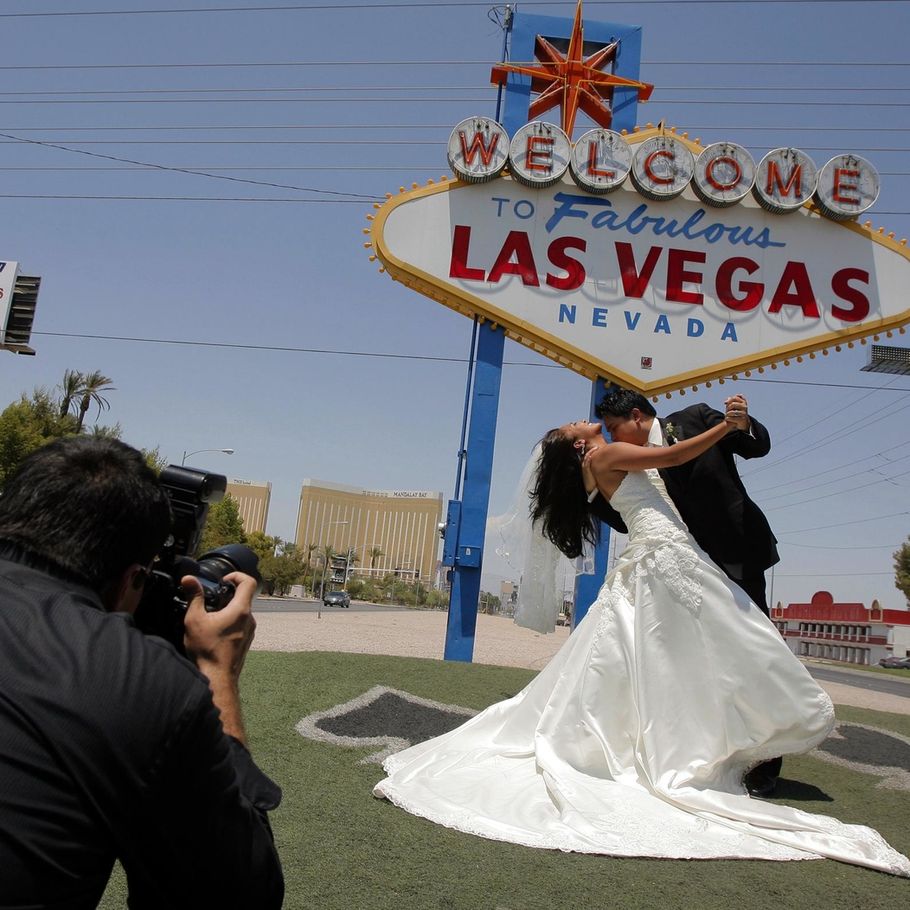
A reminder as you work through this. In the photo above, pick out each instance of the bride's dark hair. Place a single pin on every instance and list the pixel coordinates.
(558, 498)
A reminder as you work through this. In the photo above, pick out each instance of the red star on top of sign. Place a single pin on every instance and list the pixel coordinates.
(571, 80)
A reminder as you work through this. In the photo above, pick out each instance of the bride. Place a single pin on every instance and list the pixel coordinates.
(634, 740)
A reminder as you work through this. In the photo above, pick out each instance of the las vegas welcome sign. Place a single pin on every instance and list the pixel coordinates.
(647, 259)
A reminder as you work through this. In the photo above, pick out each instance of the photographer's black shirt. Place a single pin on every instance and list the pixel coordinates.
(111, 747)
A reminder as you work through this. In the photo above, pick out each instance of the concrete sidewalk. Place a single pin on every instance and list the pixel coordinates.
(421, 633)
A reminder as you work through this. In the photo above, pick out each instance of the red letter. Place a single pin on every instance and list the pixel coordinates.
(802, 295)
(635, 283)
(836, 194)
(516, 245)
(539, 159)
(723, 159)
(486, 154)
(841, 287)
(593, 170)
(575, 271)
(795, 177)
(677, 276)
(660, 153)
(458, 267)
(753, 289)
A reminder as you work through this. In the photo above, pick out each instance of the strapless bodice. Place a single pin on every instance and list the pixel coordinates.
(646, 508)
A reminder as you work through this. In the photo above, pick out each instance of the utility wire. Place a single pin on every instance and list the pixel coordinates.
(437, 88)
(323, 64)
(369, 127)
(181, 170)
(340, 352)
(331, 7)
(857, 521)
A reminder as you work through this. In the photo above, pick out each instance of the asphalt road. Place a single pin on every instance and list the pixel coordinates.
(304, 605)
(862, 679)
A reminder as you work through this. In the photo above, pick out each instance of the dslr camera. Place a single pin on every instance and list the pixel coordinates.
(164, 602)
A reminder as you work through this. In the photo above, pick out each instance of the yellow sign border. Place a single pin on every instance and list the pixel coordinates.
(579, 361)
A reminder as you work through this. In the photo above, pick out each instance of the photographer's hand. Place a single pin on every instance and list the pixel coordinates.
(218, 643)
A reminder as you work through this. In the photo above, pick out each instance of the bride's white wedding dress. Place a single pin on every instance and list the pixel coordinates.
(635, 738)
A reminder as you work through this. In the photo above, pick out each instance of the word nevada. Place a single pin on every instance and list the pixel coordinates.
(662, 166)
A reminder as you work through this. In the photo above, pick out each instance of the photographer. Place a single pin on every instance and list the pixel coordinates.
(112, 746)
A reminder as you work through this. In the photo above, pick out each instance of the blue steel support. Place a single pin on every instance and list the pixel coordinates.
(468, 550)
(587, 587)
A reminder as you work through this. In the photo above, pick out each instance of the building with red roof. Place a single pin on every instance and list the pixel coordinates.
(849, 632)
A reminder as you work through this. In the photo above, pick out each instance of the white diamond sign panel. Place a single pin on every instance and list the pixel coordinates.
(655, 294)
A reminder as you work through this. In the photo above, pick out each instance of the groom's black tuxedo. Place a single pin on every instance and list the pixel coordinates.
(713, 501)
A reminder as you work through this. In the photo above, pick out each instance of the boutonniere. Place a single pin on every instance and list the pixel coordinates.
(670, 433)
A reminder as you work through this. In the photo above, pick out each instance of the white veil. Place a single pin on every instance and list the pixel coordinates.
(537, 564)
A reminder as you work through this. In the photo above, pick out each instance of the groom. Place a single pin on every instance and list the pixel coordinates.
(710, 496)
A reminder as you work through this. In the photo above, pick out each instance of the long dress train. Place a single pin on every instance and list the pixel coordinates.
(634, 740)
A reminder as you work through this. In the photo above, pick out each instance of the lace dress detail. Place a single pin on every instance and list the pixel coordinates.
(634, 740)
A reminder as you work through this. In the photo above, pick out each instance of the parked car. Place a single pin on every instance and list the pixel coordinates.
(896, 663)
(336, 599)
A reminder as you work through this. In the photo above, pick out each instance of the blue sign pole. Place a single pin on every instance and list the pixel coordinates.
(465, 545)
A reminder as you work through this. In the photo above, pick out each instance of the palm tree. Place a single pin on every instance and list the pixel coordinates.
(310, 547)
(93, 384)
(375, 554)
(351, 556)
(325, 554)
(69, 389)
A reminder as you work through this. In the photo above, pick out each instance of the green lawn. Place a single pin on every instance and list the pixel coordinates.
(343, 849)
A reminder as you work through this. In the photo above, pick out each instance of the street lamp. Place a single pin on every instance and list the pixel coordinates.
(199, 451)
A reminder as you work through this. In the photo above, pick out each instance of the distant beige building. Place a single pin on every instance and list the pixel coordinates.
(252, 497)
(402, 524)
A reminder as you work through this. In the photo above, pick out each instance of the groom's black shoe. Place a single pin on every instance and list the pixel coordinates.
(759, 783)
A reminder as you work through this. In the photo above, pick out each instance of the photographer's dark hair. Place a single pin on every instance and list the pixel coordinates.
(558, 498)
(88, 506)
(619, 403)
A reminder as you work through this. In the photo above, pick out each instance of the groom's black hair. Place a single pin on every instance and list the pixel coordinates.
(620, 402)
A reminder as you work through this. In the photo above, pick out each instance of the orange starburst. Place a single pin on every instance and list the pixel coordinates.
(572, 81)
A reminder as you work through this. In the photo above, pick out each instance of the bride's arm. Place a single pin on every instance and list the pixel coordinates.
(623, 456)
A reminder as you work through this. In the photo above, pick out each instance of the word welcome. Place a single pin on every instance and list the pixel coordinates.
(662, 166)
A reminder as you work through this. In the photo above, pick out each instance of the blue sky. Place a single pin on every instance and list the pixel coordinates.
(261, 286)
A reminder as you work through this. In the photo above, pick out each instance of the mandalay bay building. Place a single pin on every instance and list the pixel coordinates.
(392, 531)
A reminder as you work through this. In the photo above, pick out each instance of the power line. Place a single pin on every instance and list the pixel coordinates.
(702, 102)
(323, 64)
(341, 352)
(857, 521)
(437, 88)
(327, 7)
(369, 127)
(373, 142)
(286, 349)
(183, 198)
(180, 170)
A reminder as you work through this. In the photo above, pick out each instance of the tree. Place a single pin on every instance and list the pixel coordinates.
(93, 384)
(69, 390)
(284, 568)
(375, 555)
(27, 424)
(222, 526)
(154, 459)
(902, 569)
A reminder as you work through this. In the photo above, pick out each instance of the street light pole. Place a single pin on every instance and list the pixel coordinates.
(199, 451)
